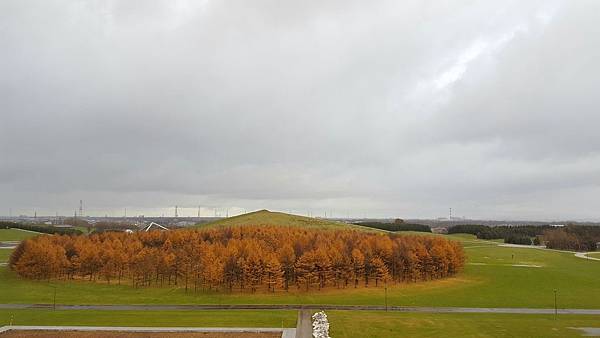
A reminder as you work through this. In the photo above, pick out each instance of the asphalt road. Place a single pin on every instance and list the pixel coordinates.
(302, 307)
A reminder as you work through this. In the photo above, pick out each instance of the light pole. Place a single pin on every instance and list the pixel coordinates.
(386, 304)
(555, 306)
(54, 301)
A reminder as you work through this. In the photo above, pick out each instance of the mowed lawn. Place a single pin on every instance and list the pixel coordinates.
(494, 277)
(228, 318)
(15, 235)
(343, 324)
(5, 254)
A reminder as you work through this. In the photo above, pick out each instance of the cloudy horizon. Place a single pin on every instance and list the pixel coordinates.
(360, 109)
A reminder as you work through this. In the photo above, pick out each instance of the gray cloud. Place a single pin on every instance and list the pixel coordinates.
(384, 108)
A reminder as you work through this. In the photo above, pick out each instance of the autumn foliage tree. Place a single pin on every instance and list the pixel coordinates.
(249, 258)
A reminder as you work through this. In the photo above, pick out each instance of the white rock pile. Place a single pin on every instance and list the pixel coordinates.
(320, 325)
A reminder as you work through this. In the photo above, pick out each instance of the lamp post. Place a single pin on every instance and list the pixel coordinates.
(386, 303)
(54, 301)
(555, 306)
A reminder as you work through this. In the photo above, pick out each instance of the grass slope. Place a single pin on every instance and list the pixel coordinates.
(265, 217)
(15, 235)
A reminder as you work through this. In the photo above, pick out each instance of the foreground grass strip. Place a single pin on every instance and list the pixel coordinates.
(234, 318)
(382, 324)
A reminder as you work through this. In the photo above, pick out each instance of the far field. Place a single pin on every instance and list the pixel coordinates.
(14, 235)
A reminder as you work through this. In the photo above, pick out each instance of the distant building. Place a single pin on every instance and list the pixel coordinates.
(155, 226)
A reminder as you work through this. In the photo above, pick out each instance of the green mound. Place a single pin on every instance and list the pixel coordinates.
(266, 217)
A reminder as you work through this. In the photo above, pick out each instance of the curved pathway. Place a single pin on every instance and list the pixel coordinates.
(585, 256)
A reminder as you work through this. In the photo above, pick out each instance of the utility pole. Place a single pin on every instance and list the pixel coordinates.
(176, 212)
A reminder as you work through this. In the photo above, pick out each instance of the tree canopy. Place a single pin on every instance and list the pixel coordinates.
(250, 258)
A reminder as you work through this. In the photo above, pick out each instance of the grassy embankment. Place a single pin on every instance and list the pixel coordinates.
(264, 217)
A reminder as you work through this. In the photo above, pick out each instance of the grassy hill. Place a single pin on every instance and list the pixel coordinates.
(266, 217)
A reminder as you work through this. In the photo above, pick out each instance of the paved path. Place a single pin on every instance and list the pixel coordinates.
(542, 247)
(589, 331)
(304, 324)
(286, 332)
(585, 256)
(301, 307)
(9, 244)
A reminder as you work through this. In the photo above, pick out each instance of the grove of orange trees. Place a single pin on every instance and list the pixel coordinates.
(247, 258)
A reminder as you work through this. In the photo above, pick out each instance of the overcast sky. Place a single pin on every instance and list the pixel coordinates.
(360, 108)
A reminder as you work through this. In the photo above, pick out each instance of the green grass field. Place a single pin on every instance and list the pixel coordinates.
(490, 279)
(4, 255)
(594, 254)
(494, 276)
(229, 318)
(265, 217)
(14, 235)
(344, 324)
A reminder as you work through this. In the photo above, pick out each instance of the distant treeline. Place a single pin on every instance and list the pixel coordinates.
(104, 226)
(571, 237)
(46, 229)
(396, 226)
